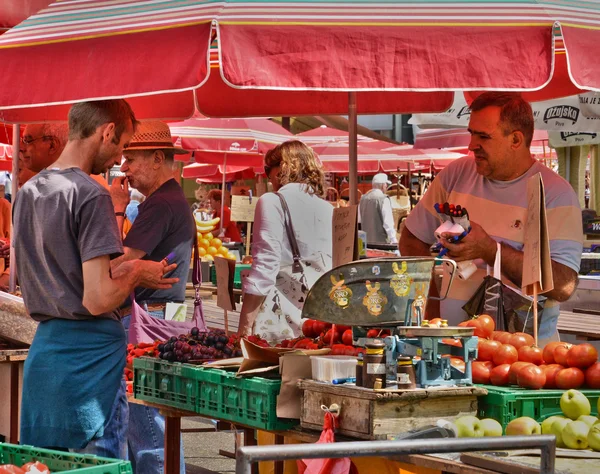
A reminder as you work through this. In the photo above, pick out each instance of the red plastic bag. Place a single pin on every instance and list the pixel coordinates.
(327, 466)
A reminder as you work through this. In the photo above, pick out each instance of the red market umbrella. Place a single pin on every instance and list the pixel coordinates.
(324, 134)
(334, 157)
(6, 162)
(209, 173)
(244, 140)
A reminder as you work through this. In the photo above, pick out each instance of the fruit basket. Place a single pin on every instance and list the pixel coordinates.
(211, 392)
(507, 403)
(59, 461)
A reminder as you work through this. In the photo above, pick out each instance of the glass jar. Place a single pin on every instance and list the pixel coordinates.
(374, 364)
(405, 374)
(359, 371)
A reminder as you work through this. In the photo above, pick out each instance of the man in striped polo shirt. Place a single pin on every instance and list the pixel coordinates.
(492, 186)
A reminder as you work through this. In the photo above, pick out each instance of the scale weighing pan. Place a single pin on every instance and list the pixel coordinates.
(373, 292)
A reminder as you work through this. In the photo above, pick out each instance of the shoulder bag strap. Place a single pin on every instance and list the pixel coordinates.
(289, 228)
(196, 270)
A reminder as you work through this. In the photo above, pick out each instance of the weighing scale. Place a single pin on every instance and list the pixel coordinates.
(392, 293)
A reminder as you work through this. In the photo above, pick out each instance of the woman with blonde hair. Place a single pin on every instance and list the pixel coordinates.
(293, 217)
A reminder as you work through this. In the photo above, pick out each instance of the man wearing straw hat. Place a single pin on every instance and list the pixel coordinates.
(164, 225)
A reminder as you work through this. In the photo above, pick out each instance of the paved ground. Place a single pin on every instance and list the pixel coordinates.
(202, 449)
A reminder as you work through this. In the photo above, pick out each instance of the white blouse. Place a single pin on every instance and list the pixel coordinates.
(312, 221)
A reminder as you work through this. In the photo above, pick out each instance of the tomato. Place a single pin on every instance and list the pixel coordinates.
(347, 337)
(501, 336)
(452, 342)
(548, 350)
(531, 354)
(486, 349)
(570, 378)
(520, 339)
(499, 375)
(592, 376)
(435, 322)
(11, 469)
(514, 370)
(457, 363)
(302, 343)
(473, 323)
(328, 334)
(481, 371)
(582, 356)
(41, 468)
(318, 328)
(373, 333)
(487, 323)
(342, 328)
(531, 376)
(505, 354)
(307, 328)
(560, 353)
(551, 371)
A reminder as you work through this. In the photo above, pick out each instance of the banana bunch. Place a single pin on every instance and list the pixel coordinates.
(206, 226)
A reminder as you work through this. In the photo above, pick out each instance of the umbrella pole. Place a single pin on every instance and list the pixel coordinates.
(353, 164)
(223, 195)
(409, 186)
(12, 278)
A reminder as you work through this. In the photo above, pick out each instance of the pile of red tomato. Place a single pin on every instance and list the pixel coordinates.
(513, 359)
(35, 467)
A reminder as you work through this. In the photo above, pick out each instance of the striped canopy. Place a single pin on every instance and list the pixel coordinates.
(292, 57)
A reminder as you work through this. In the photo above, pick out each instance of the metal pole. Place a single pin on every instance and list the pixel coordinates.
(247, 455)
(223, 195)
(12, 277)
(353, 151)
(568, 164)
(409, 174)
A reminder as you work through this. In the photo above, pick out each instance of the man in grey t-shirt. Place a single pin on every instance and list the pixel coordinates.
(65, 235)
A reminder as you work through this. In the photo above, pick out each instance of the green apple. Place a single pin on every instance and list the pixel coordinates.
(588, 419)
(594, 437)
(575, 435)
(491, 427)
(469, 427)
(573, 404)
(523, 426)
(547, 423)
(557, 430)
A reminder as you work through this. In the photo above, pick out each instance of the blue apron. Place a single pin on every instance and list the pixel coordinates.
(70, 381)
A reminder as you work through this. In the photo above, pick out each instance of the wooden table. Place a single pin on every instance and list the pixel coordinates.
(14, 357)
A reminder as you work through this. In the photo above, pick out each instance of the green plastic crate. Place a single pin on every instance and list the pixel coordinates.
(507, 403)
(210, 392)
(171, 384)
(237, 278)
(59, 461)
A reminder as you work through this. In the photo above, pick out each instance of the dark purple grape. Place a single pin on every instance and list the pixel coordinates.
(186, 349)
(161, 348)
(167, 355)
(238, 353)
(223, 339)
(195, 331)
(178, 345)
(227, 351)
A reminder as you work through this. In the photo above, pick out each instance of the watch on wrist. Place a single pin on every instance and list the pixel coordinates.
(120, 214)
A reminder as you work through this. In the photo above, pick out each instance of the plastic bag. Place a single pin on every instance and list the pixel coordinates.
(327, 466)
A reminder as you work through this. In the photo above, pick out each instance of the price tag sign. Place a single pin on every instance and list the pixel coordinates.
(345, 233)
(242, 208)
(225, 269)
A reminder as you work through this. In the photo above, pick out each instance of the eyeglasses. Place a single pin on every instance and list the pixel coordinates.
(28, 140)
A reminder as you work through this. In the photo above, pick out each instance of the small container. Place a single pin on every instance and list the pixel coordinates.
(328, 368)
(374, 364)
(378, 384)
(405, 374)
(425, 324)
(444, 323)
(359, 371)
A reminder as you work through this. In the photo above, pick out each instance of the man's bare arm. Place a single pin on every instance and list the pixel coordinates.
(128, 255)
(102, 293)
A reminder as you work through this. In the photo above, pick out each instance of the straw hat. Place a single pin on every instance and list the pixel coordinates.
(153, 135)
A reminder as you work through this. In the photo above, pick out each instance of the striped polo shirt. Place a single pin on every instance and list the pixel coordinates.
(500, 207)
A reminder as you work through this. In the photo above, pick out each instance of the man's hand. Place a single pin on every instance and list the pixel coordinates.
(119, 192)
(476, 244)
(152, 273)
(4, 248)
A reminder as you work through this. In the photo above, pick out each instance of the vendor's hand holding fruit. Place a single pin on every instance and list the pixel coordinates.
(119, 192)
(4, 248)
(476, 244)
